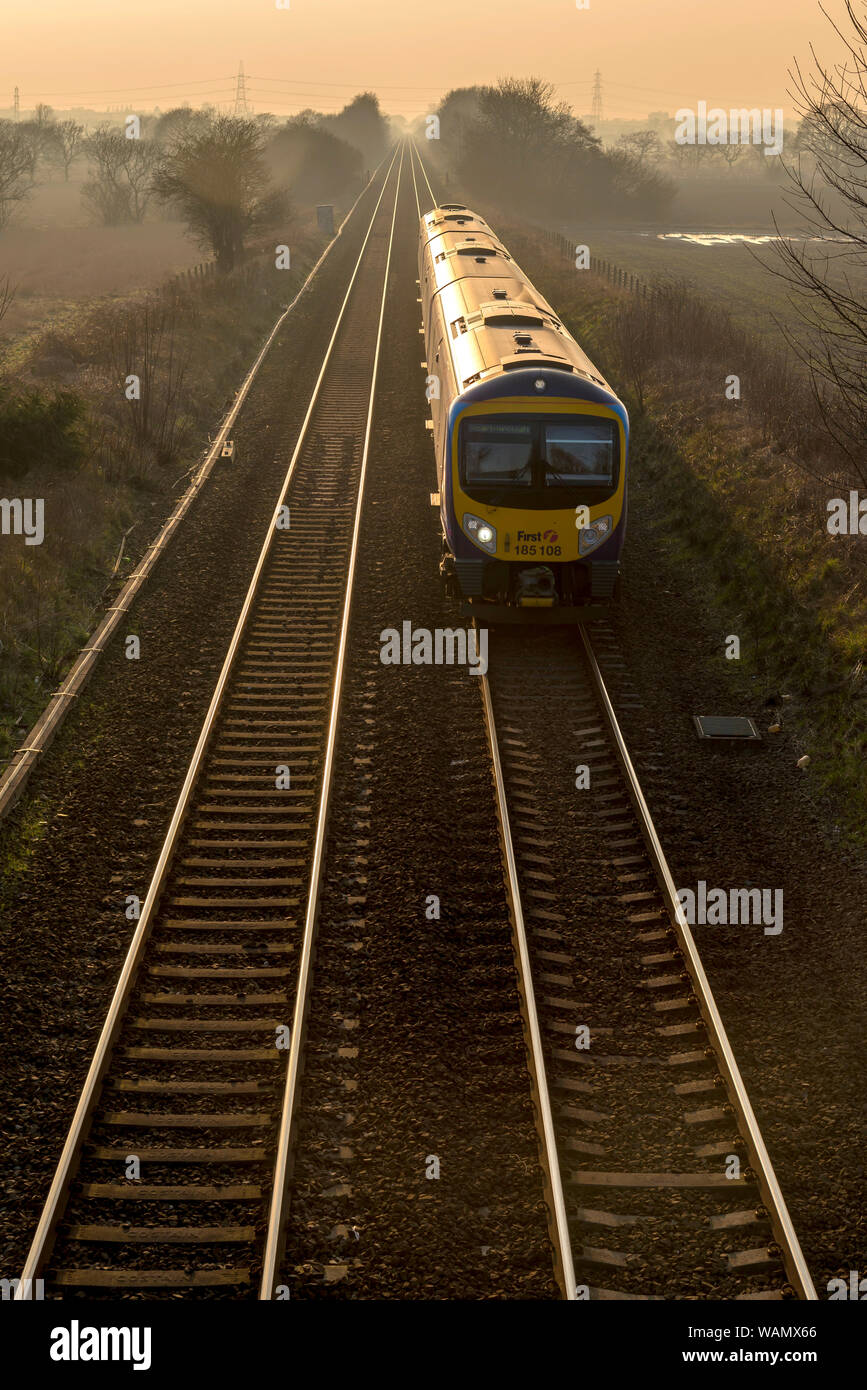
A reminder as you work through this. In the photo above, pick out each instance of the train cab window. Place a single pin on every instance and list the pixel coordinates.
(541, 461)
(498, 453)
(585, 452)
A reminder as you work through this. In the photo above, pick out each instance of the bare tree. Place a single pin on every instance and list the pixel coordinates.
(122, 172)
(217, 179)
(694, 155)
(40, 133)
(313, 164)
(16, 169)
(144, 342)
(68, 144)
(731, 152)
(7, 296)
(362, 124)
(645, 146)
(828, 273)
(179, 123)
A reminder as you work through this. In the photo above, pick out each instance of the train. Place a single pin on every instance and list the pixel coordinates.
(531, 442)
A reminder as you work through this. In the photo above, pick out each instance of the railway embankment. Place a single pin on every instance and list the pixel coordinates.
(104, 416)
(750, 511)
(727, 538)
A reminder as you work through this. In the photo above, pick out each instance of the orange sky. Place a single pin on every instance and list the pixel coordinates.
(653, 54)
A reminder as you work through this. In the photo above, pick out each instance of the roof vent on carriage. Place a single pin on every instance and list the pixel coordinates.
(511, 315)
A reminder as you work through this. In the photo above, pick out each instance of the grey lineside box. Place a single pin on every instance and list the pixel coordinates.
(726, 729)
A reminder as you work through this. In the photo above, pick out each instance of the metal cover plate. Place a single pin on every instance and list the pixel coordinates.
(726, 728)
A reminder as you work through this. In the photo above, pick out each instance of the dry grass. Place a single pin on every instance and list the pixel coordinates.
(58, 260)
(190, 349)
(744, 487)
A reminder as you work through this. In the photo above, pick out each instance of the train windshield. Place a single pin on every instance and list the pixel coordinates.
(585, 452)
(544, 461)
(498, 452)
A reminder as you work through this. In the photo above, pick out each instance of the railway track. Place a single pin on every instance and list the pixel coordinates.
(414, 1048)
(174, 1175)
(658, 1181)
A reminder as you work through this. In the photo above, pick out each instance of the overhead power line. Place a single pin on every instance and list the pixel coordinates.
(352, 86)
(122, 91)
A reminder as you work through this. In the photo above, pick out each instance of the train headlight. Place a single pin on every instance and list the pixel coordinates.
(590, 536)
(482, 532)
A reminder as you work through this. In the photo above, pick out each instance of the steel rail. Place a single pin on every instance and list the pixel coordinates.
(781, 1223)
(558, 1223)
(414, 183)
(21, 762)
(67, 1164)
(426, 179)
(282, 1169)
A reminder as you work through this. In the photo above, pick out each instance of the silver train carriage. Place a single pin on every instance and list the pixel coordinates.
(531, 442)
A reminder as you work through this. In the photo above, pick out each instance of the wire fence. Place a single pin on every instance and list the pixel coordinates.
(253, 260)
(606, 270)
(247, 268)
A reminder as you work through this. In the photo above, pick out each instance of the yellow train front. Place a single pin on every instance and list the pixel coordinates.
(531, 443)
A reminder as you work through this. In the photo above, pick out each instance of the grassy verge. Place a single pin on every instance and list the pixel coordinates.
(741, 489)
(108, 484)
(736, 276)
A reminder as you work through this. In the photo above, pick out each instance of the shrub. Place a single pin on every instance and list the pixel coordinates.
(38, 429)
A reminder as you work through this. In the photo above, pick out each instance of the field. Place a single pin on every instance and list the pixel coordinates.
(119, 478)
(735, 276)
(718, 239)
(56, 259)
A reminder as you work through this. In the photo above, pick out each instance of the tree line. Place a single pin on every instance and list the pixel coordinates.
(513, 139)
(228, 177)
